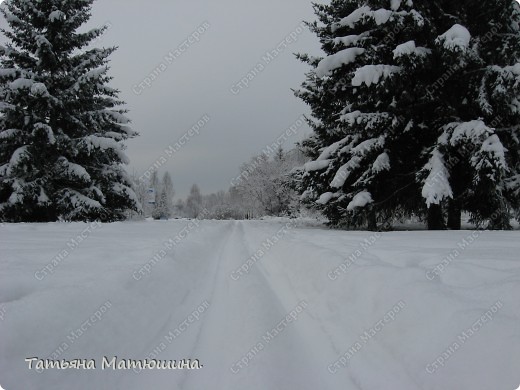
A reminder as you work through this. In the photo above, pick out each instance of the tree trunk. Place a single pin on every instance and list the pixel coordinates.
(372, 221)
(435, 218)
(454, 215)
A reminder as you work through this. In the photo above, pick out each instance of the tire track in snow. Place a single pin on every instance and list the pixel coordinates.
(310, 329)
(210, 295)
(240, 314)
(164, 282)
(315, 331)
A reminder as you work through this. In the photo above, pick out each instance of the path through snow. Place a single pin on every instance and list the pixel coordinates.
(263, 305)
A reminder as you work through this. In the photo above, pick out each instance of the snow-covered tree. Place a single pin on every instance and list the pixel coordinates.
(61, 125)
(401, 92)
(474, 162)
(222, 205)
(164, 203)
(154, 192)
(179, 209)
(140, 188)
(194, 202)
(264, 183)
(167, 192)
(161, 210)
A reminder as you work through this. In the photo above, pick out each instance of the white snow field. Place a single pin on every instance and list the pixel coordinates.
(310, 309)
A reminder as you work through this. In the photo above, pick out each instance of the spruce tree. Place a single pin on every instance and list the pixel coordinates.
(61, 125)
(395, 101)
(477, 112)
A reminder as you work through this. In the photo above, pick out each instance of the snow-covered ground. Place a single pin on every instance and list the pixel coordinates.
(262, 305)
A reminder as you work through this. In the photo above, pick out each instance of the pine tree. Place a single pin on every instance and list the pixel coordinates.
(396, 94)
(61, 125)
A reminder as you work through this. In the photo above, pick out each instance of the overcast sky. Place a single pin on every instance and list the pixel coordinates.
(229, 41)
(234, 36)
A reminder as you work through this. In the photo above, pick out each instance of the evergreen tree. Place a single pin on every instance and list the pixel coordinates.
(477, 112)
(397, 97)
(164, 203)
(61, 125)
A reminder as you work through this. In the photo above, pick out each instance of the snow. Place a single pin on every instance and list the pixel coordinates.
(57, 15)
(312, 166)
(330, 150)
(493, 146)
(349, 40)
(18, 191)
(103, 143)
(125, 191)
(360, 200)
(41, 40)
(479, 134)
(457, 37)
(337, 60)
(366, 146)
(362, 310)
(117, 117)
(42, 198)
(16, 197)
(472, 130)
(73, 169)
(355, 16)
(7, 72)
(48, 130)
(515, 69)
(325, 198)
(21, 83)
(380, 16)
(11, 18)
(95, 73)
(372, 74)
(344, 172)
(409, 48)
(39, 89)
(17, 157)
(9, 133)
(437, 186)
(395, 4)
(351, 117)
(81, 202)
(382, 163)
